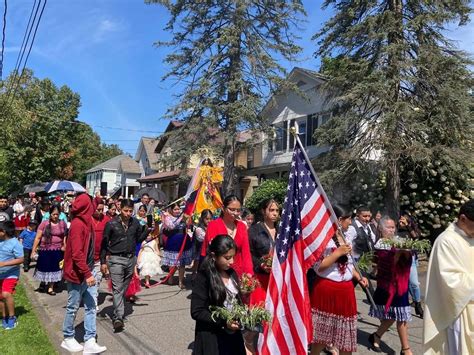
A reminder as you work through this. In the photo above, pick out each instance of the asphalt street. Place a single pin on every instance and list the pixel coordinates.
(160, 322)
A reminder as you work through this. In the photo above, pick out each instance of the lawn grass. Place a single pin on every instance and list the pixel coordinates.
(28, 337)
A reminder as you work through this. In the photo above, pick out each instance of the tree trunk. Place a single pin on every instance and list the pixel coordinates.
(229, 183)
(392, 190)
(235, 76)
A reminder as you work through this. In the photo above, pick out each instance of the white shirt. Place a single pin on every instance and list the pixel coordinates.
(333, 272)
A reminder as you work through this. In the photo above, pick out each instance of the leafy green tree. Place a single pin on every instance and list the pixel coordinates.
(399, 86)
(225, 55)
(271, 188)
(41, 138)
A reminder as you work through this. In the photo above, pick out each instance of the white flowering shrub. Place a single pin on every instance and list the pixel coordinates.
(434, 194)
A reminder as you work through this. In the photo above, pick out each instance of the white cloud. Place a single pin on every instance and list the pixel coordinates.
(104, 28)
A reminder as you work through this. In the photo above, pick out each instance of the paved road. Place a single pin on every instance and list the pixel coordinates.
(160, 323)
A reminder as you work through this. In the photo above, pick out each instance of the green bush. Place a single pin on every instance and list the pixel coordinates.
(271, 188)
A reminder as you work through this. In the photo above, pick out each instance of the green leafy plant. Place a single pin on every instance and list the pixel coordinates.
(271, 188)
(251, 318)
(365, 261)
(419, 245)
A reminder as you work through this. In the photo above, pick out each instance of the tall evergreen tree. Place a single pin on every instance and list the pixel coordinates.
(225, 55)
(400, 87)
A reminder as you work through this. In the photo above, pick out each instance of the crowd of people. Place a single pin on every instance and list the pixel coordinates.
(83, 240)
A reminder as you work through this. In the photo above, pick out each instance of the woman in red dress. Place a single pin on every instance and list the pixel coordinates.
(231, 224)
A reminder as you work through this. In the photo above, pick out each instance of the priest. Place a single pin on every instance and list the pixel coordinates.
(449, 304)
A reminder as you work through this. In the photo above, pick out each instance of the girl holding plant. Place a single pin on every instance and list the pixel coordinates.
(333, 302)
(217, 285)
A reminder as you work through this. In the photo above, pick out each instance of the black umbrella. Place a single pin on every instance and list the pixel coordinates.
(36, 187)
(154, 193)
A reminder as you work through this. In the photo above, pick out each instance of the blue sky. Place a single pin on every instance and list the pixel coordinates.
(103, 50)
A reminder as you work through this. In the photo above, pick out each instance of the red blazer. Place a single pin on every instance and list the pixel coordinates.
(243, 258)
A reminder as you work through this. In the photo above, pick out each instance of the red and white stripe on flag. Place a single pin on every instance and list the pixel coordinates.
(307, 224)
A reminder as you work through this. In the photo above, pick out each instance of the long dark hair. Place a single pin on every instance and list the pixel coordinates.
(219, 246)
(47, 229)
(203, 216)
(227, 201)
(341, 212)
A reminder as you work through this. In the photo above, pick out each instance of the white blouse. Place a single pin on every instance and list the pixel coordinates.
(335, 271)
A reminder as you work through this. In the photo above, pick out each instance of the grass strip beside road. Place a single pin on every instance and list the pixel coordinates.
(29, 337)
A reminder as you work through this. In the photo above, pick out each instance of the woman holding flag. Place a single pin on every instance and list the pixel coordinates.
(333, 301)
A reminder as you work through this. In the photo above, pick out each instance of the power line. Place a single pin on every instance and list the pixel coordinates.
(24, 43)
(119, 128)
(31, 45)
(21, 53)
(3, 39)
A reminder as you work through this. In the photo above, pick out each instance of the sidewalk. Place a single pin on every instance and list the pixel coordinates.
(160, 322)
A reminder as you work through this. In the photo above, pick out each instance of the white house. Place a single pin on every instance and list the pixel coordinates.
(269, 157)
(146, 156)
(308, 111)
(117, 175)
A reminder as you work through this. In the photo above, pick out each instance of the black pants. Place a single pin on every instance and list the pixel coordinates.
(26, 258)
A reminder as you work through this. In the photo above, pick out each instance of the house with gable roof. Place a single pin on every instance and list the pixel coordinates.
(147, 157)
(269, 156)
(117, 176)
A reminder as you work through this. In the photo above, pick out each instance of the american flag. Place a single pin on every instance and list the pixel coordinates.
(307, 224)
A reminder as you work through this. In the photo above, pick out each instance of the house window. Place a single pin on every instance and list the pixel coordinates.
(281, 136)
(311, 128)
(250, 158)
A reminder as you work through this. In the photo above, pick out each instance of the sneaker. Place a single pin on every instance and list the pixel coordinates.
(91, 347)
(4, 322)
(11, 323)
(118, 325)
(71, 345)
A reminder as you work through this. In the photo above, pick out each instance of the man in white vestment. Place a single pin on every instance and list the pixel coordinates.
(449, 301)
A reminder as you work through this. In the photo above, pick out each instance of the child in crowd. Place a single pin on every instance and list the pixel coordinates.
(248, 217)
(27, 239)
(216, 284)
(11, 257)
(149, 259)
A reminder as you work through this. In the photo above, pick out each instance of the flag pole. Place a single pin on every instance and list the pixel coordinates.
(298, 141)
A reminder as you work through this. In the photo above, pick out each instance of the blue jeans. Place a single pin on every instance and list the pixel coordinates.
(414, 284)
(76, 294)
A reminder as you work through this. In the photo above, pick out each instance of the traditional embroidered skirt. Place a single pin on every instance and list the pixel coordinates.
(398, 310)
(47, 266)
(334, 311)
(170, 258)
